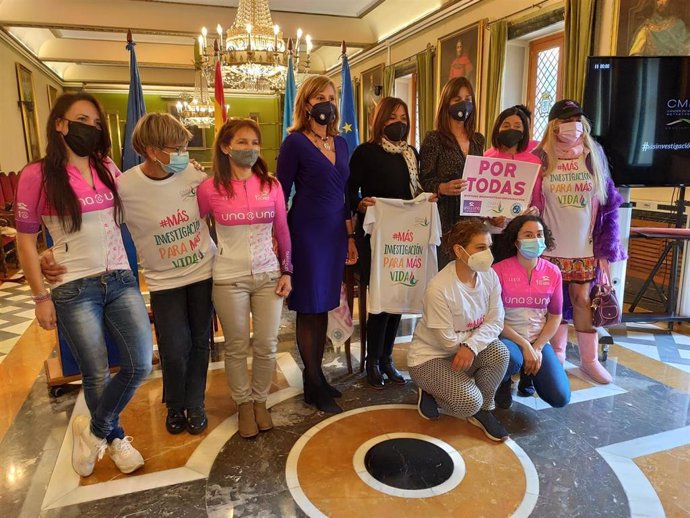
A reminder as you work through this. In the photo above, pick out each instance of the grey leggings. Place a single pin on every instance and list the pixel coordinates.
(464, 393)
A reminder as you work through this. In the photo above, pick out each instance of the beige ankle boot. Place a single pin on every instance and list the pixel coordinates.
(246, 420)
(262, 416)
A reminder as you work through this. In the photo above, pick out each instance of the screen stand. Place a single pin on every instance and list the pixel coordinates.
(674, 247)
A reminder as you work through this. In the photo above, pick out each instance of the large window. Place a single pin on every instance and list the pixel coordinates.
(545, 80)
(406, 89)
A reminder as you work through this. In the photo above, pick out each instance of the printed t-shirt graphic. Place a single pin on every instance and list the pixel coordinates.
(404, 237)
(568, 195)
(172, 240)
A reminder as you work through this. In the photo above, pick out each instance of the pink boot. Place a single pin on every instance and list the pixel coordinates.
(559, 342)
(589, 362)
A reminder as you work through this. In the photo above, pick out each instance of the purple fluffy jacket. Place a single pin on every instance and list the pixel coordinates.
(606, 234)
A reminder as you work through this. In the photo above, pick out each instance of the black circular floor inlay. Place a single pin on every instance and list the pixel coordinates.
(408, 463)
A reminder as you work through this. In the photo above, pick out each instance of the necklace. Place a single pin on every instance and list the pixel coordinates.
(324, 140)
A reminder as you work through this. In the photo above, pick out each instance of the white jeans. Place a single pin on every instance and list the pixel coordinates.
(234, 301)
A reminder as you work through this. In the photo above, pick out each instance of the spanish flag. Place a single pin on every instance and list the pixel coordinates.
(220, 113)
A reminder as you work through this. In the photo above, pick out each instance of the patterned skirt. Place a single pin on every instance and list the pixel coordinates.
(581, 269)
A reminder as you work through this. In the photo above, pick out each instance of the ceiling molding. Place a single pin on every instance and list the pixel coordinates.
(19, 47)
(359, 15)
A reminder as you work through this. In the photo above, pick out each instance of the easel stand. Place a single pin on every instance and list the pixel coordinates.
(674, 246)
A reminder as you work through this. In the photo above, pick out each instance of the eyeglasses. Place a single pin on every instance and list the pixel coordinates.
(176, 150)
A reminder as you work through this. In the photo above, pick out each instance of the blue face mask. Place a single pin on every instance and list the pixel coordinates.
(178, 163)
(532, 248)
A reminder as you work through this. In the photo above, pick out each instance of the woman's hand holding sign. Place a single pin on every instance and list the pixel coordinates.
(452, 188)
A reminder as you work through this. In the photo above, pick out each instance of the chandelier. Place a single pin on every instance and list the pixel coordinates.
(252, 53)
(197, 109)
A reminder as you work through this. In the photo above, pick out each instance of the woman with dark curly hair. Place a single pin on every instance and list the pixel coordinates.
(532, 294)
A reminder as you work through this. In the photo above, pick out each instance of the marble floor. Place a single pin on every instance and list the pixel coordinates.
(616, 451)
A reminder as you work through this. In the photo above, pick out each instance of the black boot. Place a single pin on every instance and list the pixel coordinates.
(334, 392)
(176, 422)
(320, 398)
(386, 367)
(374, 377)
(196, 420)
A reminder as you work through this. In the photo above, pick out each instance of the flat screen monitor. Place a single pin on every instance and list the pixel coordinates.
(640, 113)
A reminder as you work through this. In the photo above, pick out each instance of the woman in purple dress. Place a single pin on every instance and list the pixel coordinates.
(314, 159)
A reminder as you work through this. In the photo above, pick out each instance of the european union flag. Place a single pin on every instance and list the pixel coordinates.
(348, 113)
(136, 108)
(289, 99)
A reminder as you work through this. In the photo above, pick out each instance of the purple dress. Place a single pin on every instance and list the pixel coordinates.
(316, 220)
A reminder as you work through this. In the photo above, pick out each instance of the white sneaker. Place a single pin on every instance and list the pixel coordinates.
(125, 456)
(87, 448)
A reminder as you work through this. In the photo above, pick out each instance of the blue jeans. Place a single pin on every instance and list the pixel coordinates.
(551, 382)
(85, 309)
(182, 317)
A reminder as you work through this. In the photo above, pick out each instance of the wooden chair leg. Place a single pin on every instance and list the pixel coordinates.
(362, 325)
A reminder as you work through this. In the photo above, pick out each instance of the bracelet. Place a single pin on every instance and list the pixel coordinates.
(41, 297)
(351, 235)
(289, 274)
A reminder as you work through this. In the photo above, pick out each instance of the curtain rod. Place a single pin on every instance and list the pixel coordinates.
(538, 5)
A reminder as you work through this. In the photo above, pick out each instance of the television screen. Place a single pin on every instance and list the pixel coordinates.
(640, 113)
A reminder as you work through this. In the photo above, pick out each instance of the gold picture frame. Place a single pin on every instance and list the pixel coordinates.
(371, 92)
(630, 15)
(113, 122)
(472, 40)
(27, 105)
(52, 96)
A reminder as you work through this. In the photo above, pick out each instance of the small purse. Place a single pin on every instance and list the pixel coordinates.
(605, 309)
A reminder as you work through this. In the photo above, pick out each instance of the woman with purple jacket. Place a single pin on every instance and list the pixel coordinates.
(579, 203)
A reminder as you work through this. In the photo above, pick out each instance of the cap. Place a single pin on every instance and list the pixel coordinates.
(565, 108)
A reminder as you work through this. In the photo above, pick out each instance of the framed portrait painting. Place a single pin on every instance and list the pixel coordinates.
(651, 28)
(52, 96)
(371, 93)
(460, 55)
(27, 105)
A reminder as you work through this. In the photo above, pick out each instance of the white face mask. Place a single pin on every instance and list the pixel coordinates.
(570, 132)
(480, 261)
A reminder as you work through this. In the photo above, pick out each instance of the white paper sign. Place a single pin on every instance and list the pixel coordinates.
(497, 187)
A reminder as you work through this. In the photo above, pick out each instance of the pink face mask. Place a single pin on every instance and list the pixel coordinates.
(570, 132)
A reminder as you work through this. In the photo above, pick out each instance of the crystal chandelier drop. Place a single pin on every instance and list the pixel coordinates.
(197, 109)
(252, 52)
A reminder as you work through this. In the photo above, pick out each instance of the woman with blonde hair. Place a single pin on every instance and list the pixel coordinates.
(579, 203)
(249, 278)
(314, 160)
(443, 152)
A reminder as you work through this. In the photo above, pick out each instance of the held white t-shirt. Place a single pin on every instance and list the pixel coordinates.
(455, 313)
(568, 209)
(172, 240)
(404, 237)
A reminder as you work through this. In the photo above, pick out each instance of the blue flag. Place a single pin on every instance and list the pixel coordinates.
(135, 109)
(348, 113)
(289, 100)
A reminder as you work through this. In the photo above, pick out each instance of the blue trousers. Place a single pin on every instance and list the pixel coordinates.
(85, 309)
(551, 382)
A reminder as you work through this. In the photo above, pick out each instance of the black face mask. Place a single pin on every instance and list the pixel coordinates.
(323, 113)
(509, 138)
(396, 131)
(461, 111)
(82, 138)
